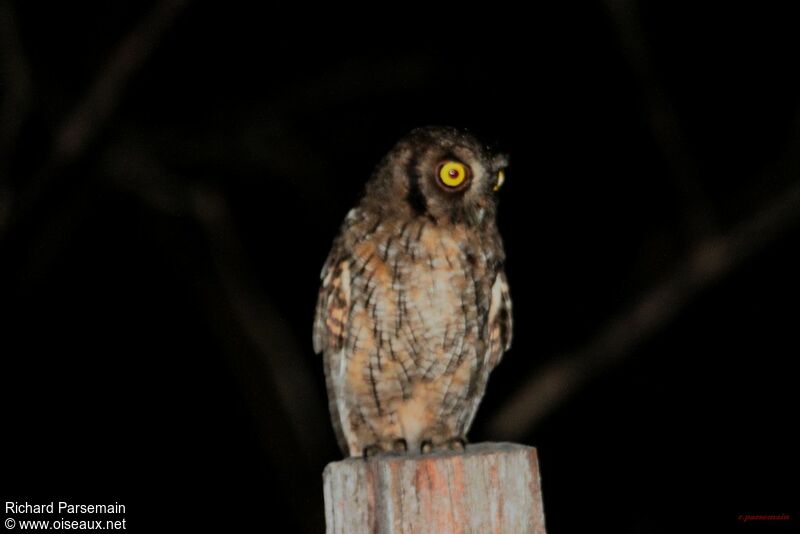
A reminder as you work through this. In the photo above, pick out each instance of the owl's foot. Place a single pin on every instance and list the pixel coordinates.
(396, 446)
(452, 444)
(372, 450)
(400, 445)
(456, 444)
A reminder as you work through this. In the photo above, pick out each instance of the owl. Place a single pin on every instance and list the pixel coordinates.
(414, 310)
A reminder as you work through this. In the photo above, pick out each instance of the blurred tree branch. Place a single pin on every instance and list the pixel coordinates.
(102, 98)
(662, 117)
(91, 113)
(711, 254)
(283, 398)
(285, 402)
(16, 82)
(710, 260)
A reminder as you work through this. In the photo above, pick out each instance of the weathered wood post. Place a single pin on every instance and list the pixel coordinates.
(489, 488)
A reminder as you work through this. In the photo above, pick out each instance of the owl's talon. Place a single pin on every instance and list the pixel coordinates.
(426, 446)
(400, 445)
(372, 450)
(456, 444)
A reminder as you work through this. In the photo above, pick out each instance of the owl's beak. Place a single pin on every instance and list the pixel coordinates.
(501, 179)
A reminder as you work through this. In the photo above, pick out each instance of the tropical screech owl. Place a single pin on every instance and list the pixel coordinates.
(414, 310)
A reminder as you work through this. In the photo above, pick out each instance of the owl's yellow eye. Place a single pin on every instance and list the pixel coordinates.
(452, 173)
(501, 178)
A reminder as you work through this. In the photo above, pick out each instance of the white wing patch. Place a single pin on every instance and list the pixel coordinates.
(500, 321)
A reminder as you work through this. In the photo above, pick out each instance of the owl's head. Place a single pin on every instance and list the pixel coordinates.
(442, 173)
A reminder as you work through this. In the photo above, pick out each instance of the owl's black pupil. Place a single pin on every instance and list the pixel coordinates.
(453, 173)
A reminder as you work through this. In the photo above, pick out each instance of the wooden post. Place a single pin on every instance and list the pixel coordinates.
(489, 488)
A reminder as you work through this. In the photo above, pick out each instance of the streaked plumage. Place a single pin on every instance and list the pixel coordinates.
(414, 310)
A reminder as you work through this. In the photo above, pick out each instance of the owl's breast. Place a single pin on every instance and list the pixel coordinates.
(426, 293)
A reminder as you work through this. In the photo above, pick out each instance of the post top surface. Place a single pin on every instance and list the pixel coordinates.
(486, 448)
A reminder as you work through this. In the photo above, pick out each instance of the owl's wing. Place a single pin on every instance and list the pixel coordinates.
(500, 320)
(330, 329)
(333, 303)
(499, 339)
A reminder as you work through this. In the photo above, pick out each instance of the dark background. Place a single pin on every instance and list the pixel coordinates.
(172, 175)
